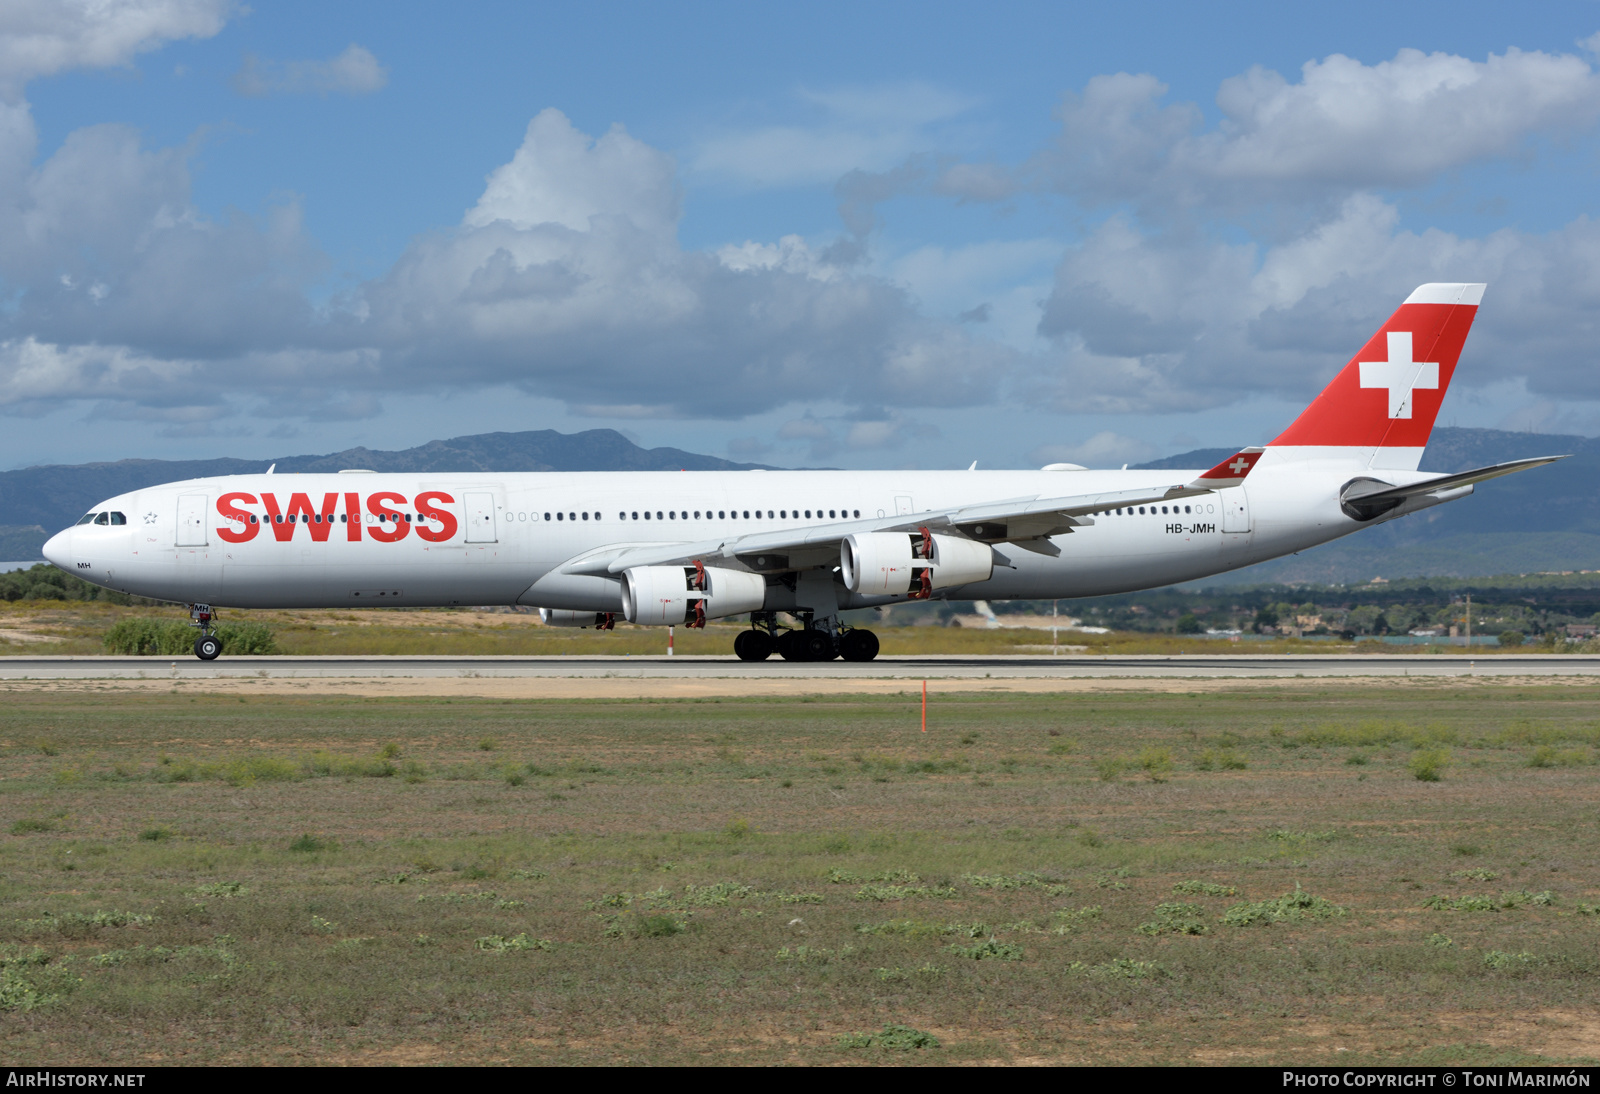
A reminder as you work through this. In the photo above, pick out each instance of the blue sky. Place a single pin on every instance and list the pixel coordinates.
(911, 235)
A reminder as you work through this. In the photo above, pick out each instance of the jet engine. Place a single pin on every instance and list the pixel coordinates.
(662, 596)
(876, 563)
(911, 564)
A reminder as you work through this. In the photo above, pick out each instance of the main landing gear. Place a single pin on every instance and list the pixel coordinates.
(806, 643)
(208, 646)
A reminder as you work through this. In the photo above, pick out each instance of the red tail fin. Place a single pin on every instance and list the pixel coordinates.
(1381, 407)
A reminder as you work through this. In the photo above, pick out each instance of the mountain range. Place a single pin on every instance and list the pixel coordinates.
(1540, 520)
(36, 502)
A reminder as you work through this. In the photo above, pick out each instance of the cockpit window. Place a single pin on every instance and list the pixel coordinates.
(87, 518)
(118, 518)
(102, 518)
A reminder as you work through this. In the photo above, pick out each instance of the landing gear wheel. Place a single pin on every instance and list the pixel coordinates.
(819, 646)
(752, 645)
(207, 647)
(792, 646)
(858, 646)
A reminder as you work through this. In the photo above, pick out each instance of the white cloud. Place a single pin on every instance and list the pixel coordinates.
(1343, 125)
(561, 176)
(354, 72)
(857, 129)
(1104, 449)
(43, 37)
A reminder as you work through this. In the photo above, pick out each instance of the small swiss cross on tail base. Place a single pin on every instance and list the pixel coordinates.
(1233, 469)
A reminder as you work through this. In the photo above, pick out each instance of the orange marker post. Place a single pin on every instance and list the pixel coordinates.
(924, 706)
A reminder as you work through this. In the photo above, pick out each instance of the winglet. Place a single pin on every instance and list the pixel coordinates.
(1230, 472)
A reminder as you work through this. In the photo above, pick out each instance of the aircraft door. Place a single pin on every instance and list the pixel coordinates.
(192, 510)
(902, 506)
(1235, 509)
(480, 518)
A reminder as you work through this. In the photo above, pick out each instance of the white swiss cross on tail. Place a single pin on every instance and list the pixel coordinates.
(1400, 374)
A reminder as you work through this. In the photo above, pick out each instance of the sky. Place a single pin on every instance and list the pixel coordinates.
(886, 235)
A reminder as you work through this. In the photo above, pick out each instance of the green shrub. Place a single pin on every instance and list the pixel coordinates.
(1174, 918)
(1499, 959)
(495, 943)
(308, 843)
(988, 950)
(1296, 907)
(1427, 764)
(244, 639)
(1157, 764)
(1511, 638)
(1118, 968)
(897, 1038)
(29, 824)
(1204, 888)
(156, 835)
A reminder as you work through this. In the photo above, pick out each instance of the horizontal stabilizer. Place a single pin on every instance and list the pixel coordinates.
(1447, 482)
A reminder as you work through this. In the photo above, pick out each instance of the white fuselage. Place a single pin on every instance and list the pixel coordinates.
(498, 539)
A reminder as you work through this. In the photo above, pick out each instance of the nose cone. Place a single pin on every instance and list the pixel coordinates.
(58, 549)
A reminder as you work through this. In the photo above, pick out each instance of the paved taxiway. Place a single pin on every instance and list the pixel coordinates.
(1063, 668)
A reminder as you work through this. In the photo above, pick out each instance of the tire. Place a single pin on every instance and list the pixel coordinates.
(858, 646)
(752, 645)
(207, 647)
(819, 646)
(792, 646)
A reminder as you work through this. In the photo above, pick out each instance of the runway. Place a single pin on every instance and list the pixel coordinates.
(1064, 668)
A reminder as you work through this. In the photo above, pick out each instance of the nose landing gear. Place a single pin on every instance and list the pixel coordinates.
(208, 646)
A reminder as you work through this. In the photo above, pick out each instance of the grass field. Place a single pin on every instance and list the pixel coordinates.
(79, 627)
(1357, 873)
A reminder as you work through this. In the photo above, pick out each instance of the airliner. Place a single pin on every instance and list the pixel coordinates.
(682, 548)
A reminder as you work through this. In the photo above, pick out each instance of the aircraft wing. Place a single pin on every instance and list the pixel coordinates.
(1026, 522)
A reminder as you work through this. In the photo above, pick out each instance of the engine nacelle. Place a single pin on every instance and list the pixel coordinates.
(560, 617)
(665, 596)
(911, 563)
(655, 596)
(960, 561)
(876, 563)
(733, 592)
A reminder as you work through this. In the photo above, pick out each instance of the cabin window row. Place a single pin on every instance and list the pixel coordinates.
(1177, 510)
(707, 514)
(317, 518)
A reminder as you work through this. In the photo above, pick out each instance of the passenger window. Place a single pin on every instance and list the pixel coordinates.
(858, 512)
(586, 516)
(252, 518)
(658, 515)
(560, 516)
